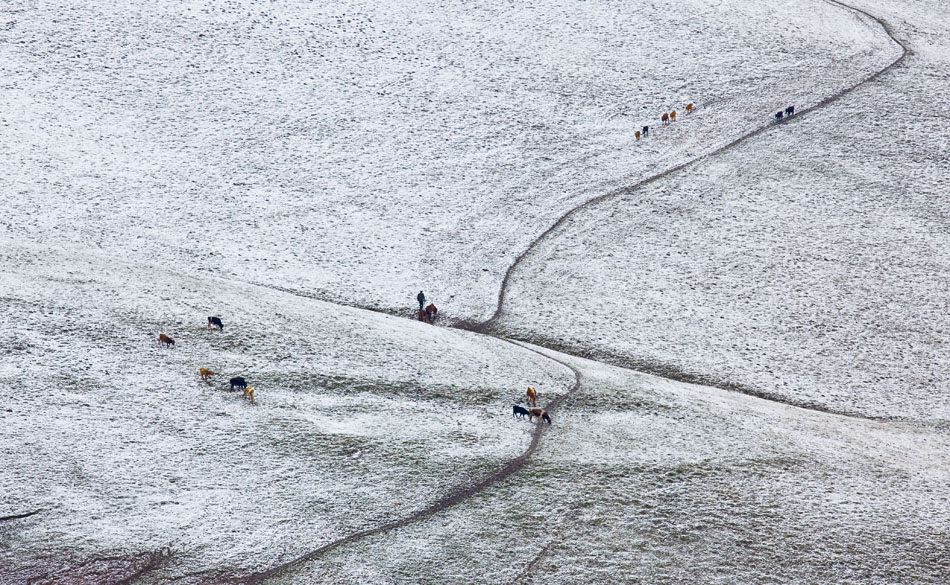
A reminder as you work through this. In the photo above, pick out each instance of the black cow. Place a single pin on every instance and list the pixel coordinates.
(778, 116)
(790, 111)
(518, 411)
(216, 321)
(646, 130)
(238, 382)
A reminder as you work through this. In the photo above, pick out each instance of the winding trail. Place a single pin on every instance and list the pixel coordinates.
(447, 501)
(490, 327)
(486, 326)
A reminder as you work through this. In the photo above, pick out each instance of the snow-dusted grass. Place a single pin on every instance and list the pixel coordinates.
(154, 156)
(360, 418)
(642, 480)
(365, 150)
(809, 262)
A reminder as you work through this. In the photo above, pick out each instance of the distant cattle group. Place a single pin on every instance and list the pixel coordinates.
(531, 394)
(206, 373)
(788, 113)
(666, 118)
(426, 313)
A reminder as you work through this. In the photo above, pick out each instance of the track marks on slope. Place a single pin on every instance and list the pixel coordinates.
(486, 326)
(453, 498)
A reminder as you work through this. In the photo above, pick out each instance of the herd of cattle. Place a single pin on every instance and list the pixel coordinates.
(669, 117)
(240, 383)
(205, 373)
(666, 118)
(542, 414)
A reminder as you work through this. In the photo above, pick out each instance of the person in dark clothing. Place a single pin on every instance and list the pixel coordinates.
(422, 299)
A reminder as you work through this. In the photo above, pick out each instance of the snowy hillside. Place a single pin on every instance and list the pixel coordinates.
(359, 417)
(362, 151)
(301, 169)
(809, 262)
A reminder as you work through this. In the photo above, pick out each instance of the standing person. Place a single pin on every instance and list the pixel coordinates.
(421, 298)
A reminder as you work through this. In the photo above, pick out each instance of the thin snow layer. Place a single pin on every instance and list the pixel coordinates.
(810, 263)
(361, 151)
(645, 480)
(359, 419)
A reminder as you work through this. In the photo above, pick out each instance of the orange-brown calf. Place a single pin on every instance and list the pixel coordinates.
(540, 413)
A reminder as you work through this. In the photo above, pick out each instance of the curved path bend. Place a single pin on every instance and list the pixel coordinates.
(452, 498)
(489, 327)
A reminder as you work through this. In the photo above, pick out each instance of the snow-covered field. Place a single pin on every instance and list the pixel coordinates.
(359, 418)
(364, 150)
(809, 262)
(643, 480)
(167, 161)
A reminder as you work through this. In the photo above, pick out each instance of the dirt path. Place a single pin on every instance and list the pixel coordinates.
(486, 326)
(18, 516)
(452, 498)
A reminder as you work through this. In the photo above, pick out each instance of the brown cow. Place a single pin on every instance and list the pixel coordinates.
(431, 312)
(689, 108)
(532, 395)
(205, 373)
(665, 118)
(637, 135)
(540, 413)
(168, 341)
(673, 116)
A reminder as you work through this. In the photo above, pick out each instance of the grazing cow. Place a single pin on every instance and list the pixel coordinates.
(790, 111)
(646, 130)
(665, 118)
(249, 393)
(238, 382)
(216, 321)
(689, 108)
(518, 411)
(168, 341)
(532, 395)
(431, 311)
(205, 373)
(637, 135)
(778, 116)
(673, 116)
(422, 315)
(540, 413)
